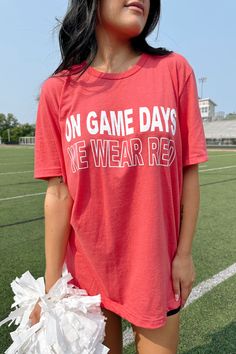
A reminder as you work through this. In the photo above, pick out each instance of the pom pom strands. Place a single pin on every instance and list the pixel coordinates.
(71, 322)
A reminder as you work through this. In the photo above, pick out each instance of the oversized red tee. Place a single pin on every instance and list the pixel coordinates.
(120, 141)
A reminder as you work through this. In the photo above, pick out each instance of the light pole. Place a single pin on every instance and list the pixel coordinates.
(202, 80)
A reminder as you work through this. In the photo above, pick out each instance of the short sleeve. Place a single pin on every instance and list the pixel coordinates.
(48, 154)
(194, 148)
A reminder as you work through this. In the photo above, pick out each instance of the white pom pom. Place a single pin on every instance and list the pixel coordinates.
(71, 321)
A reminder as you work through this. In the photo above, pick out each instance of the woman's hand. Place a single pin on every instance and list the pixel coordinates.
(183, 276)
(35, 314)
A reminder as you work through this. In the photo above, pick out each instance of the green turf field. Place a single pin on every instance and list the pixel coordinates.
(208, 325)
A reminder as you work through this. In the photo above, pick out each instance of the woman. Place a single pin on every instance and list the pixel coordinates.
(119, 137)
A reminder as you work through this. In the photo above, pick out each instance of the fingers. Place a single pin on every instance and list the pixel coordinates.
(185, 288)
(182, 289)
(177, 289)
(33, 320)
(35, 314)
(185, 291)
(183, 277)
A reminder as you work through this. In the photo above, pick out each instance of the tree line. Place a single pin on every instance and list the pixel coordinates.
(11, 129)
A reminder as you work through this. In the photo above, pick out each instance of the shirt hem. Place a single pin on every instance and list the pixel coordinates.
(197, 159)
(47, 173)
(109, 305)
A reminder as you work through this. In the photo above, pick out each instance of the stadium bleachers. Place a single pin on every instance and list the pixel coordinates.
(220, 129)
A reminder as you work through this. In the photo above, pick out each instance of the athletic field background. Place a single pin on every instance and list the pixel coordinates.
(208, 322)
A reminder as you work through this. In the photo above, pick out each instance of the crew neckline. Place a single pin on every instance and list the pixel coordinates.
(119, 75)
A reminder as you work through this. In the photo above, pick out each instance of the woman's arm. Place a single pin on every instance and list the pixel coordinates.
(190, 202)
(57, 210)
(183, 270)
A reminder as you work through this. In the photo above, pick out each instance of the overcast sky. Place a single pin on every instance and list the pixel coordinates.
(203, 31)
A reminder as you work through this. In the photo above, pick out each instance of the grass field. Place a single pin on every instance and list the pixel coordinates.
(208, 324)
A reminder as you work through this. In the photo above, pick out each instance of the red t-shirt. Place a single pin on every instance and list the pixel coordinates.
(120, 140)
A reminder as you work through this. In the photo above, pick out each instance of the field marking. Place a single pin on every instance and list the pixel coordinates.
(15, 163)
(10, 173)
(17, 146)
(21, 196)
(215, 155)
(197, 292)
(217, 168)
(226, 150)
(207, 285)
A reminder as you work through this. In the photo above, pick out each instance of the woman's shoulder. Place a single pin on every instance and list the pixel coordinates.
(52, 86)
(179, 67)
(57, 82)
(54, 83)
(182, 62)
(175, 60)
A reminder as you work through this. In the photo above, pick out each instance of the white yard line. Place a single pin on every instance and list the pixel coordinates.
(197, 292)
(217, 168)
(15, 163)
(21, 196)
(226, 150)
(12, 173)
(216, 155)
(209, 284)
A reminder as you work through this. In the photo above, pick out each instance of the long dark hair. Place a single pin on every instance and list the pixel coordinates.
(77, 35)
